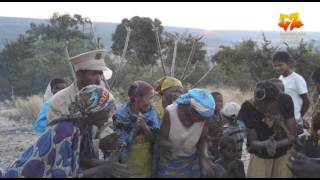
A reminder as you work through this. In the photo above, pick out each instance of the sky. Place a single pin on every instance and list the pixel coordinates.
(204, 15)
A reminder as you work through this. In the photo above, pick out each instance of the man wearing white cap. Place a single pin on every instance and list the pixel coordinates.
(89, 68)
(231, 128)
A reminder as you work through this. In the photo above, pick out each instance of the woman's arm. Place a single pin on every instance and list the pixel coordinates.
(207, 169)
(290, 129)
(165, 146)
(202, 145)
(165, 126)
(252, 140)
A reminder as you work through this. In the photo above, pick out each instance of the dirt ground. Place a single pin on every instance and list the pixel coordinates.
(14, 139)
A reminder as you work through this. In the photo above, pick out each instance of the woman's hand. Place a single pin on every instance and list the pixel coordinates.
(141, 125)
(140, 122)
(271, 146)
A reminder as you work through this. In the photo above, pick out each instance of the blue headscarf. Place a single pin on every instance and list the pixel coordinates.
(200, 99)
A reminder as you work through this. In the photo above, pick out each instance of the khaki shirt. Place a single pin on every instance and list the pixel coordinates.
(60, 102)
(59, 105)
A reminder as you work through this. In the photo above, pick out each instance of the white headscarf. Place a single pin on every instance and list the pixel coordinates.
(48, 93)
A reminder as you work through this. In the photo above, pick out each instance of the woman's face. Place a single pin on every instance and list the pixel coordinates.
(171, 94)
(144, 103)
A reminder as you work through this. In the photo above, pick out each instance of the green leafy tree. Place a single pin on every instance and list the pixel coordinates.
(39, 55)
(248, 62)
(142, 47)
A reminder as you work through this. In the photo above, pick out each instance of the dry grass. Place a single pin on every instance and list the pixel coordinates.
(21, 109)
(28, 108)
(231, 93)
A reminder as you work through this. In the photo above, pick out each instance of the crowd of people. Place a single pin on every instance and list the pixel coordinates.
(186, 134)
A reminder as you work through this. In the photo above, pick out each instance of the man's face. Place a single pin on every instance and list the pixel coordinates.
(170, 95)
(89, 77)
(58, 87)
(281, 67)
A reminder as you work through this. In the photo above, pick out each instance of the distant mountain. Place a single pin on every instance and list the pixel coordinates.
(11, 27)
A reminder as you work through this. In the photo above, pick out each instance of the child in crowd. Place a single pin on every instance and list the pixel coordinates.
(234, 168)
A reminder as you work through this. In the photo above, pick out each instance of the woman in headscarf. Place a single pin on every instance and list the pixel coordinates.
(137, 122)
(169, 88)
(57, 152)
(183, 136)
(271, 131)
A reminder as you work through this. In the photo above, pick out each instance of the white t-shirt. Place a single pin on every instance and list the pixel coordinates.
(295, 85)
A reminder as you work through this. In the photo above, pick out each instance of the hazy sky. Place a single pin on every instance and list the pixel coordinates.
(209, 16)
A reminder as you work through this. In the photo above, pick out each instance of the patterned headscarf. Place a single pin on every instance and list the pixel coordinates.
(200, 99)
(92, 99)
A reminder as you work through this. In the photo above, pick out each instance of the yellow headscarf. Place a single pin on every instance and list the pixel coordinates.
(167, 82)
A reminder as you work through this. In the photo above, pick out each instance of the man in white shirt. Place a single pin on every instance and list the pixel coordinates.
(295, 86)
